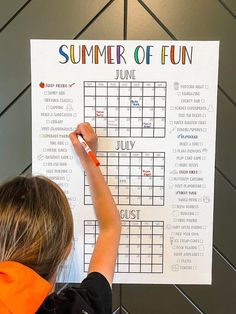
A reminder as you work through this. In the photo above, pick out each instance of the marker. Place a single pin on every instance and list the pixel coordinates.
(88, 150)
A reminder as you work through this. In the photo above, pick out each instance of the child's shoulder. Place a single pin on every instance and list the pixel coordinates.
(92, 296)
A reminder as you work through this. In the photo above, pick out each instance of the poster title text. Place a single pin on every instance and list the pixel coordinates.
(116, 54)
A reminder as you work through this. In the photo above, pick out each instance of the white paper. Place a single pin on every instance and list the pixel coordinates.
(153, 106)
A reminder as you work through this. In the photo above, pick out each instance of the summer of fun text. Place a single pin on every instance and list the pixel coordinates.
(116, 54)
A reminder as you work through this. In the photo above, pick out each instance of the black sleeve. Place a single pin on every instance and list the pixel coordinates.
(98, 292)
(93, 296)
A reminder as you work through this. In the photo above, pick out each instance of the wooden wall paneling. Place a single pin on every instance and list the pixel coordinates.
(155, 299)
(15, 138)
(40, 19)
(57, 19)
(220, 297)
(141, 26)
(225, 139)
(182, 18)
(108, 25)
(225, 218)
(8, 9)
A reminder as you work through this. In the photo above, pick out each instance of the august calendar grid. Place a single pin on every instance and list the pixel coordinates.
(141, 248)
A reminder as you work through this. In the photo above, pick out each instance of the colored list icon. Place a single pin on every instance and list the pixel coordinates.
(42, 84)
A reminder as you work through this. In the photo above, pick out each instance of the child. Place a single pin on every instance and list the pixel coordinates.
(36, 230)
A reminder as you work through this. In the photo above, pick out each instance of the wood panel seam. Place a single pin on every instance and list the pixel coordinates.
(227, 8)
(222, 256)
(227, 96)
(125, 19)
(189, 299)
(14, 100)
(163, 26)
(93, 19)
(225, 177)
(26, 168)
(14, 15)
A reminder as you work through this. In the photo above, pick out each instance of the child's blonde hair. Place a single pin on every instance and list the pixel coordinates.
(36, 225)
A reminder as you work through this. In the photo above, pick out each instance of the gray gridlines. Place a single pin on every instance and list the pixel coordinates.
(141, 247)
(126, 109)
(134, 178)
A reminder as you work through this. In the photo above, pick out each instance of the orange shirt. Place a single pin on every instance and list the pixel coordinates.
(22, 290)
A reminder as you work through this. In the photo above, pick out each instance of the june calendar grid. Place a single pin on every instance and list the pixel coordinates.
(126, 109)
(141, 248)
(134, 178)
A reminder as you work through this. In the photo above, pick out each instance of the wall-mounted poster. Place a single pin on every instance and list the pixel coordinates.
(153, 106)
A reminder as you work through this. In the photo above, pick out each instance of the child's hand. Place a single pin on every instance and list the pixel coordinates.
(86, 131)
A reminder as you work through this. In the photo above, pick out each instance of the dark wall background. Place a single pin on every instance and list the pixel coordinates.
(22, 20)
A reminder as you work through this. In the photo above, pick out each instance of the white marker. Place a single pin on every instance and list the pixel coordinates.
(88, 150)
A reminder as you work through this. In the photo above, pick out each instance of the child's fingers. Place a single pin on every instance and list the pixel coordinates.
(88, 134)
(74, 140)
(86, 131)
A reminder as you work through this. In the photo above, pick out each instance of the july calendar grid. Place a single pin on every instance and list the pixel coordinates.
(134, 178)
(126, 109)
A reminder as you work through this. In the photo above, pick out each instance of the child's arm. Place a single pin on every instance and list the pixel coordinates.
(105, 252)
